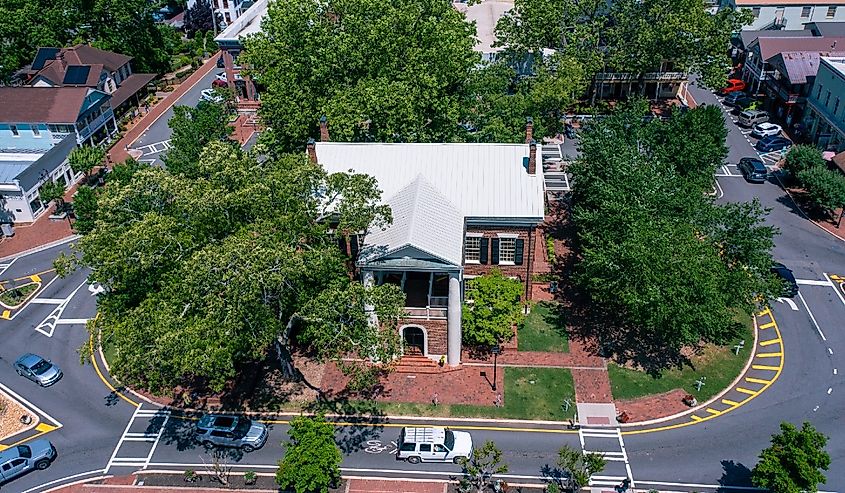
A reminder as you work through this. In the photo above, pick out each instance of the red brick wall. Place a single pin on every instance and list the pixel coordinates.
(521, 272)
(435, 329)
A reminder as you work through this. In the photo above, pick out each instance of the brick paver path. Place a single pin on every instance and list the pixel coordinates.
(655, 406)
(384, 486)
(118, 153)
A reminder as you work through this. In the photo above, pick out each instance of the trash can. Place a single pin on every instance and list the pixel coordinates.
(8, 229)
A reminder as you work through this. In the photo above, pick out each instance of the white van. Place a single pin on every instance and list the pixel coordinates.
(749, 118)
(433, 444)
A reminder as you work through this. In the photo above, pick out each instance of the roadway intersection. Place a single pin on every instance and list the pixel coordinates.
(98, 431)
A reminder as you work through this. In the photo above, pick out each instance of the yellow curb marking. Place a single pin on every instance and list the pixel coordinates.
(100, 374)
(45, 428)
(7, 314)
(768, 325)
(765, 367)
(35, 278)
(756, 380)
(730, 402)
(713, 411)
(769, 355)
(770, 342)
(3, 447)
(745, 391)
(695, 418)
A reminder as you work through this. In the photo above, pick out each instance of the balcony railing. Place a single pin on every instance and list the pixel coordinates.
(649, 76)
(428, 312)
(95, 124)
(784, 92)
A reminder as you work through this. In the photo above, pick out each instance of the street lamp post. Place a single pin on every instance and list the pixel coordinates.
(495, 350)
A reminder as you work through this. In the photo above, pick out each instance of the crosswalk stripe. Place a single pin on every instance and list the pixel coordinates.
(756, 380)
(765, 367)
(769, 342)
(730, 402)
(746, 391)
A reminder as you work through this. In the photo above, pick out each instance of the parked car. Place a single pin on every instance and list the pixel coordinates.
(753, 169)
(773, 143)
(20, 459)
(765, 129)
(433, 444)
(220, 63)
(219, 83)
(221, 77)
(734, 85)
(731, 97)
(211, 95)
(231, 431)
(40, 370)
(790, 287)
(749, 118)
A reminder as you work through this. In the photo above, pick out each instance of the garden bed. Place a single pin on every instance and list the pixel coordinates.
(14, 297)
(10, 414)
(204, 479)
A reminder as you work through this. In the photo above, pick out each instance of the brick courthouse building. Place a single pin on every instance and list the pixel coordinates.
(459, 211)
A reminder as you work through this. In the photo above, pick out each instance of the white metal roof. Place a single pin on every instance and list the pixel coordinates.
(416, 209)
(247, 23)
(481, 180)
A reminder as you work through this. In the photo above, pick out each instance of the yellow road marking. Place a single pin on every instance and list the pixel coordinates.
(100, 374)
(746, 391)
(769, 342)
(756, 380)
(730, 402)
(763, 313)
(45, 428)
(765, 367)
(37, 274)
(769, 355)
(695, 418)
(7, 314)
(768, 325)
(35, 278)
(713, 411)
(3, 447)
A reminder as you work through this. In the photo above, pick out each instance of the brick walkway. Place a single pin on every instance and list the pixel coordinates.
(404, 486)
(118, 153)
(655, 406)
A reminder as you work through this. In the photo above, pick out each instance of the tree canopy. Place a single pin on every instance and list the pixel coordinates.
(481, 467)
(492, 309)
(123, 26)
(312, 458)
(191, 129)
(205, 270)
(84, 159)
(385, 72)
(795, 461)
(655, 251)
(199, 18)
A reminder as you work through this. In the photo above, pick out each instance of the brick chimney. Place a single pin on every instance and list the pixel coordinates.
(312, 151)
(532, 157)
(324, 129)
(529, 130)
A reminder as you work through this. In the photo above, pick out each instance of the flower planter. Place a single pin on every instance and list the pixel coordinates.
(690, 400)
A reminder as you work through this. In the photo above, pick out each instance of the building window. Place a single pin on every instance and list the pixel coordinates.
(819, 93)
(756, 12)
(835, 106)
(472, 249)
(35, 131)
(805, 11)
(827, 99)
(831, 12)
(14, 129)
(507, 250)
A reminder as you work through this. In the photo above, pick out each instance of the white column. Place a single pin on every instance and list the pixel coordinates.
(453, 327)
(367, 276)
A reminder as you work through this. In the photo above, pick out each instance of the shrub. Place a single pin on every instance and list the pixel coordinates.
(825, 188)
(801, 158)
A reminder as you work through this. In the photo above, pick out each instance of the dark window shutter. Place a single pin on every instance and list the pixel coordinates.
(354, 246)
(341, 243)
(518, 251)
(495, 251)
(485, 247)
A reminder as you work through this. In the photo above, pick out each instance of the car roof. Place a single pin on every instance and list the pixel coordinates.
(29, 359)
(218, 421)
(766, 125)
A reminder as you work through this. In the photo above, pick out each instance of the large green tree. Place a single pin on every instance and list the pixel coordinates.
(577, 467)
(491, 310)
(85, 159)
(825, 188)
(795, 461)
(385, 72)
(671, 266)
(191, 129)
(208, 270)
(312, 458)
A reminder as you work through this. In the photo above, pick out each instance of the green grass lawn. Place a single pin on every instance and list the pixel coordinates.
(543, 331)
(542, 399)
(718, 363)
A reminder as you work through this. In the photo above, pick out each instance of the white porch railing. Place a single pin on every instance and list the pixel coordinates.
(428, 312)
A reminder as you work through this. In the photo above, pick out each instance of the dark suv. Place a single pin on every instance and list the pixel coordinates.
(231, 431)
(790, 285)
(753, 170)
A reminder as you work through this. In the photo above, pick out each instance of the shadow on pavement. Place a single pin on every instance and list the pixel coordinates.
(735, 474)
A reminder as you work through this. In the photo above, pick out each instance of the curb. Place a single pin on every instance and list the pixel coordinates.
(712, 399)
(40, 248)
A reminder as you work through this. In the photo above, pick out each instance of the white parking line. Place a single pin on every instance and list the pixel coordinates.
(812, 317)
(814, 282)
(835, 288)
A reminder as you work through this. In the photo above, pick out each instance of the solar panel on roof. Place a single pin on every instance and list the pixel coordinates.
(42, 56)
(76, 74)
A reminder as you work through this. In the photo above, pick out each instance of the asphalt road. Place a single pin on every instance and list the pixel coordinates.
(154, 142)
(100, 432)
